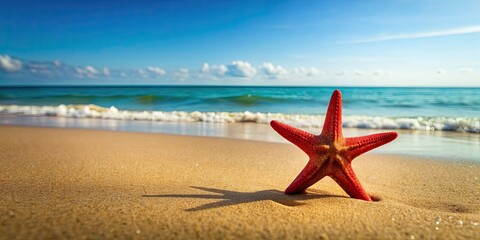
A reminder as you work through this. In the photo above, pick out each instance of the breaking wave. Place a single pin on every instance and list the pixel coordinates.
(460, 124)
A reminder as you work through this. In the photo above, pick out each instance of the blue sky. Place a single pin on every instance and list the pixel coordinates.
(355, 43)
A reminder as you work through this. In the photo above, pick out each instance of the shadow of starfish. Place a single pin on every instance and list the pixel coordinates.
(229, 198)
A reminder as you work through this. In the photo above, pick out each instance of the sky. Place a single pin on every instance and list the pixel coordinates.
(319, 43)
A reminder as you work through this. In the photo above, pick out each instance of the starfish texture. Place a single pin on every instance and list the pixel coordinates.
(330, 153)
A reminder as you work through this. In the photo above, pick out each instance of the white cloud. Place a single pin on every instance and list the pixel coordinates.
(205, 68)
(182, 74)
(466, 70)
(91, 70)
(358, 72)
(379, 72)
(80, 71)
(441, 71)
(142, 73)
(88, 71)
(215, 70)
(240, 69)
(106, 71)
(39, 68)
(9, 64)
(156, 70)
(427, 34)
(305, 72)
(122, 74)
(219, 70)
(57, 63)
(273, 71)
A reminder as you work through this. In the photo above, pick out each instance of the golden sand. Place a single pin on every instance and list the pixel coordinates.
(83, 184)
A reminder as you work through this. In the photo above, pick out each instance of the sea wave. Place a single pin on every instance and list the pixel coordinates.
(460, 124)
(247, 99)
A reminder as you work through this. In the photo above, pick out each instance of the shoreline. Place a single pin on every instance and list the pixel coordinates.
(77, 183)
(444, 145)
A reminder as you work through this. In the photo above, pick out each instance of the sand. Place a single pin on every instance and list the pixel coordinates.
(84, 184)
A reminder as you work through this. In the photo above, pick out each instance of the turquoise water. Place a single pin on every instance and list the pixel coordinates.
(393, 102)
(441, 109)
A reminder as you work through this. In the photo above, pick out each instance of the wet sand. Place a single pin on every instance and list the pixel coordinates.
(445, 145)
(88, 184)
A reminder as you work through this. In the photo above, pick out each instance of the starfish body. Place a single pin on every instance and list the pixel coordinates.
(330, 153)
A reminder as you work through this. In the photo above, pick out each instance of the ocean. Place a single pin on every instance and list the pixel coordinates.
(432, 112)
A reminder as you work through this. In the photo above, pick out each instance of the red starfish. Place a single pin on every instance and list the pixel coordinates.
(330, 153)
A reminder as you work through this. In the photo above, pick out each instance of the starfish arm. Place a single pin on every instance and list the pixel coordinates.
(304, 140)
(332, 128)
(311, 174)
(330, 153)
(347, 179)
(360, 145)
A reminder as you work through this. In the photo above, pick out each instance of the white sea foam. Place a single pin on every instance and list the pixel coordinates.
(461, 124)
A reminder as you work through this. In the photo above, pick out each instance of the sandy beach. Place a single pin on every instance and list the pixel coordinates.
(86, 184)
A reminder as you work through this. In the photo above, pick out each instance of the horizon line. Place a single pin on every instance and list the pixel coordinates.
(207, 85)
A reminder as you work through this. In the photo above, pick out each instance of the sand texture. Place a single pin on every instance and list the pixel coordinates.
(82, 184)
